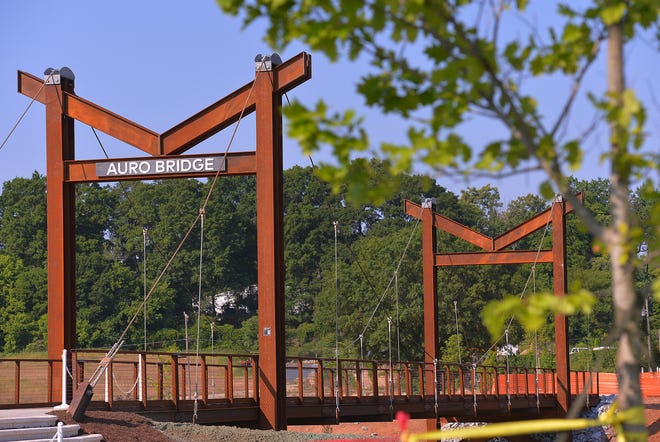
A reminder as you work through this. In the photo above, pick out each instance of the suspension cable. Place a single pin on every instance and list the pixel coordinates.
(145, 233)
(391, 379)
(396, 295)
(527, 282)
(199, 309)
(458, 335)
(113, 351)
(389, 285)
(508, 373)
(20, 118)
(536, 351)
(334, 224)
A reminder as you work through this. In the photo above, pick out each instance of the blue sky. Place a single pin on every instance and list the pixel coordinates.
(158, 62)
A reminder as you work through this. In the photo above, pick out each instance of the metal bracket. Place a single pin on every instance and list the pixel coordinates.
(54, 76)
(428, 203)
(266, 63)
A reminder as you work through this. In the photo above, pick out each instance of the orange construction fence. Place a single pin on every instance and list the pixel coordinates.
(650, 382)
(607, 384)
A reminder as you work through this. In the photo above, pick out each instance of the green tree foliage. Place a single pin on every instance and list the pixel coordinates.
(23, 213)
(441, 65)
(373, 241)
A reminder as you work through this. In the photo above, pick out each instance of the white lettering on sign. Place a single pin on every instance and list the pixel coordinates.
(160, 166)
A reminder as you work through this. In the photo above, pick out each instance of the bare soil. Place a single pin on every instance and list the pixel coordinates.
(128, 427)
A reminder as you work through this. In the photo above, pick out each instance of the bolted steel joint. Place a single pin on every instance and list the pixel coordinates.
(266, 63)
(54, 76)
(428, 203)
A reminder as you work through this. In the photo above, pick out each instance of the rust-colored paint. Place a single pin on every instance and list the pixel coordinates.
(495, 255)
(31, 86)
(559, 275)
(110, 123)
(530, 226)
(60, 200)
(63, 171)
(491, 258)
(270, 254)
(209, 121)
(430, 278)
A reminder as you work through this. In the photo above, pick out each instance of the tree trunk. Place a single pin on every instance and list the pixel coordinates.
(627, 306)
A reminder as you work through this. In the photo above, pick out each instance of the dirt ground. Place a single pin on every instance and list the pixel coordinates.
(127, 427)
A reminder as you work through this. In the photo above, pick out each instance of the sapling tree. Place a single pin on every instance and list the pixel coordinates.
(444, 65)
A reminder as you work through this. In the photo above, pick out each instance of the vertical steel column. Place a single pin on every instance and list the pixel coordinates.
(60, 201)
(430, 278)
(270, 251)
(559, 273)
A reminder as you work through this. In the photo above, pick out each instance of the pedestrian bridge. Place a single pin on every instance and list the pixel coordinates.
(216, 388)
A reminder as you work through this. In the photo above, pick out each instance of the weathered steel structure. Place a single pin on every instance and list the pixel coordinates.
(420, 390)
(263, 96)
(494, 253)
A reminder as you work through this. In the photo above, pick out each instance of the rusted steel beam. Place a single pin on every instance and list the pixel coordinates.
(112, 124)
(293, 72)
(80, 109)
(530, 226)
(84, 171)
(560, 286)
(29, 86)
(270, 254)
(209, 121)
(452, 227)
(61, 241)
(489, 258)
(229, 109)
(430, 281)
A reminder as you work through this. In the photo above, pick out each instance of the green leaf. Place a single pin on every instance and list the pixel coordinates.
(546, 189)
(612, 14)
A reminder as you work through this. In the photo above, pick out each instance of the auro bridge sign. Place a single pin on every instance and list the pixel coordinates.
(161, 166)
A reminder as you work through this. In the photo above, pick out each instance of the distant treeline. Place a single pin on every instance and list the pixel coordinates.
(116, 224)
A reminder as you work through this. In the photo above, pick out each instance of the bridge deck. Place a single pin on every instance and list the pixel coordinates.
(163, 386)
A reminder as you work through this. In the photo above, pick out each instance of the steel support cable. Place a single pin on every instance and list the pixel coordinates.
(524, 290)
(20, 118)
(382, 297)
(458, 335)
(435, 386)
(180, 245)
(391, 378)
(200, 217)
(145, 234)
(508, 373)
(332, 216)
(357, 261)
(474, 388)
(160, 276)
(334, 224)
(231, 141)
(136, 214)
(199, 310)
(536, 352)
(396, 295)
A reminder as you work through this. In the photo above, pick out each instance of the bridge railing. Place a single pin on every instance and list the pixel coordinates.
(325, 378)
(175, 377)
(227, 378)
(26, 381)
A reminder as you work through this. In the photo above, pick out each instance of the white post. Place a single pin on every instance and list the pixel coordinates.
(106, 385)
(60, 431)
(63, 405)
(139, 378)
